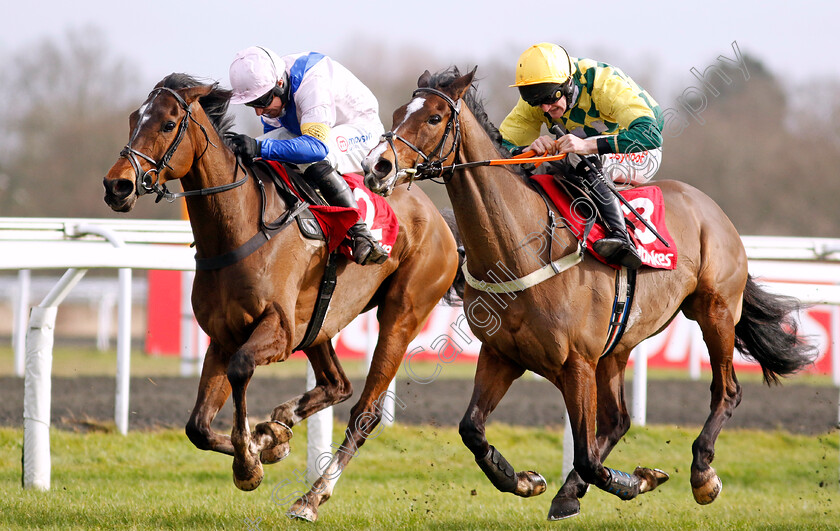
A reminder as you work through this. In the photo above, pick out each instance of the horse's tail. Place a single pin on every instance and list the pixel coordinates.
(767, 333)
(455, 295)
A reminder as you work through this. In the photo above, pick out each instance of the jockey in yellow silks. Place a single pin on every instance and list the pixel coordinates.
(605, 113)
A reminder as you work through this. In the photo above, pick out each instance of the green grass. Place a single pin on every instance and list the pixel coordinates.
(419, 478)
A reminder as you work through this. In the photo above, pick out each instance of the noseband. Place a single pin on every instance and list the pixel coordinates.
(148, 181)
(430, 169)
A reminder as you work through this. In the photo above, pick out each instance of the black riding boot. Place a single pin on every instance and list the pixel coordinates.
(616, 246)
(336, 191)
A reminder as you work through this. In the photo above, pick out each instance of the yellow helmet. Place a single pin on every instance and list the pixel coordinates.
(543, 63)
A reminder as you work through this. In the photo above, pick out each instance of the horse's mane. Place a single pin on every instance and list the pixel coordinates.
(474, 102)
(215, 104)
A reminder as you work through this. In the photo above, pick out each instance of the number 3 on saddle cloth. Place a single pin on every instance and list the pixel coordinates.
(648, 203)
(334, 221)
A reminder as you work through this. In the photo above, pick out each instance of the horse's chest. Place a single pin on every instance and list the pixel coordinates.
(226, 311)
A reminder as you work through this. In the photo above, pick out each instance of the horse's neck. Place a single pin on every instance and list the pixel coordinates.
(224, 220)
(501, 218)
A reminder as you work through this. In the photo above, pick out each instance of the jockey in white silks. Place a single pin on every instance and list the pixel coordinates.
(315, 114)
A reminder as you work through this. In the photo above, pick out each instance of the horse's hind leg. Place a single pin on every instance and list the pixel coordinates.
(400, 319)
(718, 326)
(331, 387)
(493, 377)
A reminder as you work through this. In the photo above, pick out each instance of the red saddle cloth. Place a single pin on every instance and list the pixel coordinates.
(334, 221)
(648, 203)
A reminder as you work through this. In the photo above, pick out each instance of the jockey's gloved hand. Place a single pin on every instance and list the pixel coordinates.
(246, 147)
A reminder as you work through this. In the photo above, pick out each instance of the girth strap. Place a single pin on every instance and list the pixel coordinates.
(248, 248)
(325, 293)
(625, 287)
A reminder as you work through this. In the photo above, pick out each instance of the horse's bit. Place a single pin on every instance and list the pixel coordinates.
(429, 169)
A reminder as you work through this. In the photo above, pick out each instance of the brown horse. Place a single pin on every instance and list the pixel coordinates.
(256, 310)
(558, 328)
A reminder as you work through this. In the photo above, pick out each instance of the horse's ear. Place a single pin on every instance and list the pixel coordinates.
(193, 93)
(462, 84)
(423, 80)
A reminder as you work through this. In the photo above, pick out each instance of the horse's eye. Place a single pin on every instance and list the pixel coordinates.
(168, 126)
(434, 119)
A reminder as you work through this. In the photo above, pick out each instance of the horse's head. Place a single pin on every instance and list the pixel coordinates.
(425, 135)
(160, 146)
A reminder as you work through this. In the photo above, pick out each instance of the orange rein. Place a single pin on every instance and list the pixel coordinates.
(526, 158)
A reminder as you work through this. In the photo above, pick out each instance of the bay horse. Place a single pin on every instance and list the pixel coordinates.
(256, 310)
(558, 328)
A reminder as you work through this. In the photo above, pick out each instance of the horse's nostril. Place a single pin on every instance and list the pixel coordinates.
(382, 167)
(119, 188)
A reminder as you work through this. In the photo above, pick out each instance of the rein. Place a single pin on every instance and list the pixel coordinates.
(145, 183)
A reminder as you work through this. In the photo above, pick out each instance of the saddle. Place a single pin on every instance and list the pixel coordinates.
(576, 208)
(292, 196)
(332, 222)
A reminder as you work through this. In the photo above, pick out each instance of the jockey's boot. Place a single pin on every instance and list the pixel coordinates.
(336, 191)
(616, 246)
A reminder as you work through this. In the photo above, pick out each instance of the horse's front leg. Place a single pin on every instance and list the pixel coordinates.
(613, 421)
(268, 342)
(213, 391)
(493, 377)
(579, 386)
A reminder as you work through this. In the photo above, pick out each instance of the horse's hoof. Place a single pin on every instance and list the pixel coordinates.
(245, 479)
(529, 484)
(709, 488)
(279, 448)
(562, 508)
(302, 510)
(275, 429)
(651, 478)
(276, 454)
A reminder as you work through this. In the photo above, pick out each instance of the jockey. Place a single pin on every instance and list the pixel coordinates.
(316, 114)
(605, 114)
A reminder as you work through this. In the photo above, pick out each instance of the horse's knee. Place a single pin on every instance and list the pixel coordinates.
(339, 392)
(240, 369)
(198, 435)
(472, 436)
(589, 469)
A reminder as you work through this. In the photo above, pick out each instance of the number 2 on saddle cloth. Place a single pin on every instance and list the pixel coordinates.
(334, 221)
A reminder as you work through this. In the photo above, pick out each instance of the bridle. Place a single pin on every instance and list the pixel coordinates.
(148, 181)
(430, 169)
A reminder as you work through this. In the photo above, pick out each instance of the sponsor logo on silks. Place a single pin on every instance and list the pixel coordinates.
(654, 258)
(345, 144)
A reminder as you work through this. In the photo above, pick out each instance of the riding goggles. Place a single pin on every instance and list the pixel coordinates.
(263, 101)
(541, 93)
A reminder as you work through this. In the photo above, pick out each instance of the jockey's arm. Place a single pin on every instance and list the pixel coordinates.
(310, 146)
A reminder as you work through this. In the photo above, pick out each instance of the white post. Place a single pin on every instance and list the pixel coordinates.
(123, 322)
(38, 383)
(319, 428)
(695, 349)
(123, 351)
(104, 321)
(568, 447)
(19, 326)
(640, 363)
(189, 347)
